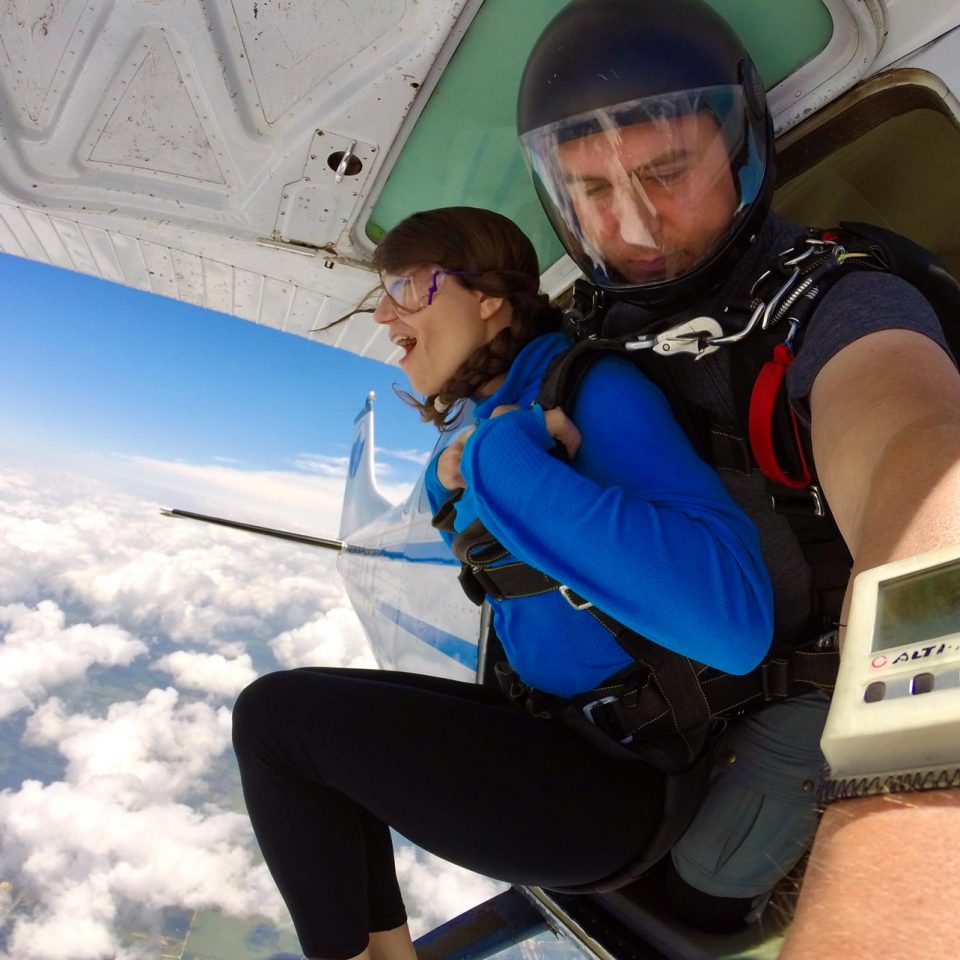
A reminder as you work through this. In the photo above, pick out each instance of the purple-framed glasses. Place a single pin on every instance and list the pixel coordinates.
(403, 293)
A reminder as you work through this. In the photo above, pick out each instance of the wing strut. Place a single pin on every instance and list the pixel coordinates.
(263, 531)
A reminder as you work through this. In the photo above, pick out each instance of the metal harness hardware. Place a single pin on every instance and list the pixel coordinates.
(704, 335)
(663, 705)
(574, 599)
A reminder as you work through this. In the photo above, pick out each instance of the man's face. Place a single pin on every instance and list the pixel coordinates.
(654, 198)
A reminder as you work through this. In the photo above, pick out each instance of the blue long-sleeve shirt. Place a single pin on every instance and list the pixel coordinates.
(636, 523)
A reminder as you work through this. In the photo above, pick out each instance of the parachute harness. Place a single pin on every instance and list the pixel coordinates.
(786, 293)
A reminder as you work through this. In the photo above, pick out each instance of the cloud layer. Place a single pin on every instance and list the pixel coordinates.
(117, 832)
(124, 637)
(211, 673)
(40, 652)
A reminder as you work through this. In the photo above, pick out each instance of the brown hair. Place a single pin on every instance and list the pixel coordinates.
(489, 253)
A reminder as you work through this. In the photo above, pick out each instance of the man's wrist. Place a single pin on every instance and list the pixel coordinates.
(882, 880)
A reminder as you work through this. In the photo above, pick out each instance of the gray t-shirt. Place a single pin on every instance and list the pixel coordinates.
(858, 304)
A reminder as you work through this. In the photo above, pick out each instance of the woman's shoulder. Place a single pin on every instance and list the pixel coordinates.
(615, 371)
(522, 383)
(614, 384)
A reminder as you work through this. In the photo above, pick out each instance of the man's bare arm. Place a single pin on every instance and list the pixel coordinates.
(886, 440)
(884, 874)
(882, 881)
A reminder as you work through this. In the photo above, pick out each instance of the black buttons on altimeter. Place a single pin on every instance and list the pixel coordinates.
(906, 686)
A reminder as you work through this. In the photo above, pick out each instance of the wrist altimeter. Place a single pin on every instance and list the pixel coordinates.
(894, 721)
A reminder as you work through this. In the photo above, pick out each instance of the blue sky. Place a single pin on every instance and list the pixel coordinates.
(119, 626)
(90, 367)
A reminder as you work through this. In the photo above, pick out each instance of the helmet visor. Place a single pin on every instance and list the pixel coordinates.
(644, 192)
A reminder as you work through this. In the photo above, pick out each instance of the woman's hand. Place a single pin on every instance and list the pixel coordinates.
(448, 465)
(563, 430)
(558, 425)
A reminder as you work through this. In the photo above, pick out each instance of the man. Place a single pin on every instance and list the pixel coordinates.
(647, 131)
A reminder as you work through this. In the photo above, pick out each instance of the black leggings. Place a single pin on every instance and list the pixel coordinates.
(329, 758)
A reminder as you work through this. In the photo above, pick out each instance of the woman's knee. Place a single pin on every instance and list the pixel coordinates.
(308, 696)
(256, 705)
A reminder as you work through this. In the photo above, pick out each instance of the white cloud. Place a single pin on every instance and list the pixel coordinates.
(39, 652)
(117, 831)
(141, 751)
(113, 558)
(211, 673)
(86, 857)
(336, 468)
(302, 501)
(334, 638)
(325, 466)
(410, 456)
(148, 814)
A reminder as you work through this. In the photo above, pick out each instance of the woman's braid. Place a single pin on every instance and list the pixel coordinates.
(532, 314)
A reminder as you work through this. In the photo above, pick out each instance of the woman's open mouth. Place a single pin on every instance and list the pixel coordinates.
(405, 343)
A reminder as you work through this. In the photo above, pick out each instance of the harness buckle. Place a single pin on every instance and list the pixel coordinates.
(587, 308)
(695, 336)
(828, 642)
(588, 709)
(574, 599)
(699, 336)
(800, 503)
(473, 586)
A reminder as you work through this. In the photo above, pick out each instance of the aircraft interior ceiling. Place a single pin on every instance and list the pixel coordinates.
(240, 154)
(161, 145)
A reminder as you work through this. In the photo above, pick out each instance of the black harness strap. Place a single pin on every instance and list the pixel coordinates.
(564, 373)
(663, 709)
(511, 580)
(797, 671)
(663, 704)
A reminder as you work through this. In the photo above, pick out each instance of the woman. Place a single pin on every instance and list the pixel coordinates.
(635, 523)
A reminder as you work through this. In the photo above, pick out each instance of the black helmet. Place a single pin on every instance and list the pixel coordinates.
(646, 128)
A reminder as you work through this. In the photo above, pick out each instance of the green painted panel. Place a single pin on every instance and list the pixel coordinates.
(463, 149)
(780, 37)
